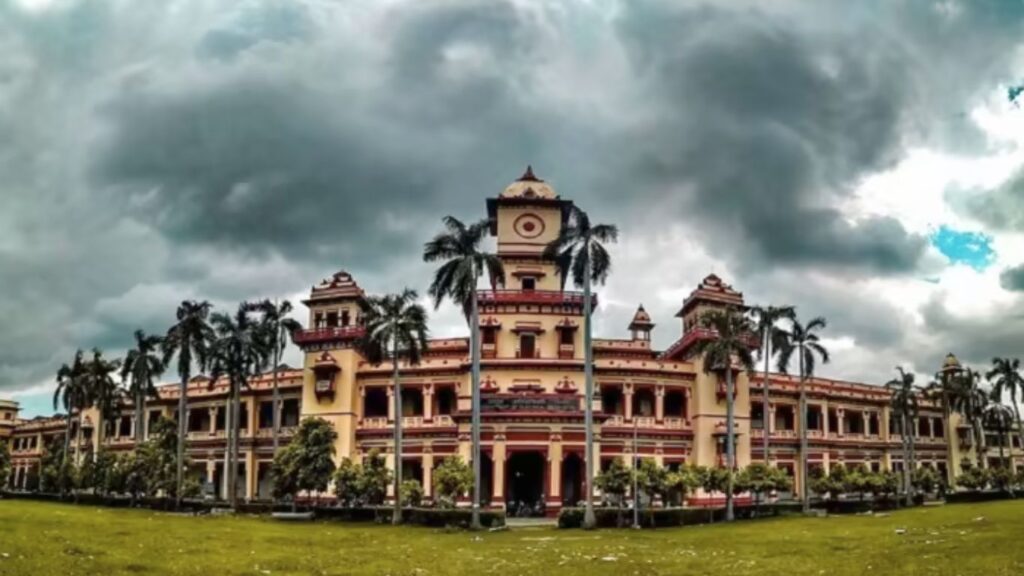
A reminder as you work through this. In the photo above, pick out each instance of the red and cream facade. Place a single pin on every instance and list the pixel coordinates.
(531, 385)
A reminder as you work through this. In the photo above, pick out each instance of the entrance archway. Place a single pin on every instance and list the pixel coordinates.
(524, 484)
(572, 479)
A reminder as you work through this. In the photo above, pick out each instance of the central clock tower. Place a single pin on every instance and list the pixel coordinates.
(526, 217)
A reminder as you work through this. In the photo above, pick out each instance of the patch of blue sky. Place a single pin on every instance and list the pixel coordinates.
(971, 248)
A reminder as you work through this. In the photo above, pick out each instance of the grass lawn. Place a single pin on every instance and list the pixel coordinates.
(44, 538)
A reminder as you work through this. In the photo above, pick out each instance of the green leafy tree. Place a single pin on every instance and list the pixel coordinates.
(452, 478)
(973, 477)
(5, 465)
(156, 461)
(714, 481)
(346, 482)
(396, 325)
(680, 483)
(412, 492)
(307, 463)
(772, 338)
(374, 481)
(803, 341)
(652, 479)
(859, 481)
(761, 479)
(456, 280)
(579, 252)
(614, 483)
(189, 338)
(732, 342)
(57, 471)
(925, 479)
(142, 366)
(104, 465)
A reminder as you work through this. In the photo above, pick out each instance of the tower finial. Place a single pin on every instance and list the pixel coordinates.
(528, 175)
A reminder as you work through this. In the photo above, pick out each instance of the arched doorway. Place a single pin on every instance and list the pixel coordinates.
(572, 479)
(524, 484)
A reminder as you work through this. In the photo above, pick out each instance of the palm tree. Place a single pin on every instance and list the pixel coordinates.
(72, 394)
(971, 401)
(456, 280)
(905, 405)
(104, 393)
(732, 341)
(579, 251)
(395, 322)
(278, 329)
(190, 339)
(141, 366)
(1007, 381)
(1001, 417)
(807, 345)
(238, 352)
(772, 338)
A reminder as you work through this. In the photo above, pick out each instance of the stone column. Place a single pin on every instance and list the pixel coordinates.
(498, 456)
(627, 396)
(428, 402)
(389, 461)
(659, 403)
(213, 419)
(840, 414)
(769, 424)
(554, 493)
(866, 418)
(250, 475)
(391, 403)
(428, 472)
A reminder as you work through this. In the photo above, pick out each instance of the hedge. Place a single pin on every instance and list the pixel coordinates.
(976, 496)
(433, 517)
(663, 517)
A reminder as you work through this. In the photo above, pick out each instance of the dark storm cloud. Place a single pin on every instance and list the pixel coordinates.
(1013, 278)
(231, 151)
(1001, 208)
(769, 125)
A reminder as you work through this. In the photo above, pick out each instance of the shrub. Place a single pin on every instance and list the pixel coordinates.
(412, 493)
(452, 478)
(374, 479)
(347, 482)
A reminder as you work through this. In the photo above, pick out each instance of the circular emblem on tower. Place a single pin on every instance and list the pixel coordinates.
(528, 226)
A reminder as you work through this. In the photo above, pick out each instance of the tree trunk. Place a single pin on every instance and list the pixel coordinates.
(913, 455)
(905, 440)
(276, 409)
(229, 432)
(764, 399)
(948, 434)
(1020, 429)
(67, 448)
(805, 493)
(179, 475)
(140, 418)
(730, 442)
(396, 517)
(589, 520)
(475, 424)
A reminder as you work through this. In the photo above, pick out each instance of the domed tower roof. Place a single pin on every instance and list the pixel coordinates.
(641, 320)
(951, 364)
(529, 186)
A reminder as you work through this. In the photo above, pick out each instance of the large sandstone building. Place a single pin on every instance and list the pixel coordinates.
(532, 383)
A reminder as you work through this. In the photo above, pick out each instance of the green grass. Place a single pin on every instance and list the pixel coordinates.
(45, 538)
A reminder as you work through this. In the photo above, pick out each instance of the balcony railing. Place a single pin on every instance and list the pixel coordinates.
(382, 422)
(566, 350)
(553, 297)
(328, 334)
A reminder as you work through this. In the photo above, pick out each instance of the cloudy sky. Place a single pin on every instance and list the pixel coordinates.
(862, 161)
